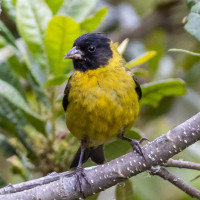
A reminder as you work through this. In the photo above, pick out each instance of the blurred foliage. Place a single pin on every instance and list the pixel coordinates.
(124, 191)
(35, 36)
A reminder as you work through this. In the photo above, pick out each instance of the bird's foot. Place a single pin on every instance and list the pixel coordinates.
(136, 145)
(81, 179)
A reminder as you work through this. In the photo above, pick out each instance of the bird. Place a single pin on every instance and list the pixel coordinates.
(101, 98)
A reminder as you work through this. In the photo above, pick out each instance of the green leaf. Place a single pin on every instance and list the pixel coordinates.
(124, 191)
(5, 146)
(54, 5)
(193, 22)
(153, 92)
(8, 7)
(17, 66)
(37, 89)
(4, 31)
(141, 59)
(59, 40)
(32, 21)
(7, 75)
(57, 80)
(91, 23)
(77, 9)
(12, 120)
(11, 95)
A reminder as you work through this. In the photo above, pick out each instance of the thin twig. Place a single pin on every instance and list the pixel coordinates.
(62, 186)
(166, 175)
(182, 164)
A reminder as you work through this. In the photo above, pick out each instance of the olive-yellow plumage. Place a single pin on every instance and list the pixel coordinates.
(101, 97)
(103, 102)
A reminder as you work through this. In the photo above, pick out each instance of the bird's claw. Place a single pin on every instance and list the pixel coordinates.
(143, 139)
(81, 179)
(137, 147)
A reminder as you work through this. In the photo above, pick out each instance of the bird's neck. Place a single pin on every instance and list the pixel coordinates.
(116, 61)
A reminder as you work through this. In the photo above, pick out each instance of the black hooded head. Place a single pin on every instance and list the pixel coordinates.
(90, 51)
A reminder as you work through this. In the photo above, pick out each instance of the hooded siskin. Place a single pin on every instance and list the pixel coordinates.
(101, 98)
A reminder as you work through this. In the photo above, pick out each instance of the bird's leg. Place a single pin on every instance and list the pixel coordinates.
(135, 144)
(80, 175)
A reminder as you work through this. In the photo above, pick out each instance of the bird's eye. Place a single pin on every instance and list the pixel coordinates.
(91, 48)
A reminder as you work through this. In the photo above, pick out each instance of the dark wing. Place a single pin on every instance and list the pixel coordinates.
(137, 88)
(66, 93)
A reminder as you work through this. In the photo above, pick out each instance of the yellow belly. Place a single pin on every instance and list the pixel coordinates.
(102, 104)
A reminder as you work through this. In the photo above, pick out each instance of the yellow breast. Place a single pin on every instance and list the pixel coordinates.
(102, 103)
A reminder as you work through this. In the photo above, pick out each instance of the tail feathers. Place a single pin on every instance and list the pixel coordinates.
(96, 155)
(76, 158)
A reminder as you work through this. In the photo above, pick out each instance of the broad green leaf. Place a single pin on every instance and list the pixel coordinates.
(124, 191)
(32, 21)
(30, 64)
(141, 59)
(54, 5)
(185, 51)
(59, 40)
(11, 95)
(193, 22)
(5, 146)
(12, 114)
(91, 23)
(22, 70)
(57, 80)
(77, 9)
(122, 47)
(12, 120)
(37, 89)
(7, 34)
(153, 92)
(7, 75)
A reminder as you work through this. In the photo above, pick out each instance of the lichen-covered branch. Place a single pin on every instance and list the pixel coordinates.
(166, 175)
(62, 186)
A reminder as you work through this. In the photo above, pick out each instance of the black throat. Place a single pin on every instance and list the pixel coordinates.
(93, 60)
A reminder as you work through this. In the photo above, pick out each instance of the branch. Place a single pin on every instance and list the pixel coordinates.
(62, 186)
(182, 164)
(166, 175)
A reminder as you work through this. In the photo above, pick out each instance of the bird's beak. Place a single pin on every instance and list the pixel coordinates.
(74, 53)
